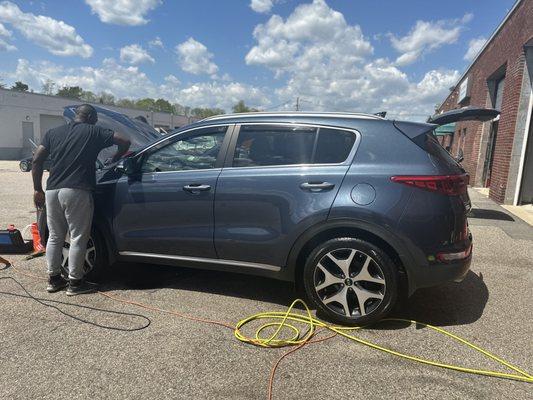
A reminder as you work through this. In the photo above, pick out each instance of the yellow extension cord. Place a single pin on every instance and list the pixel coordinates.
(281, 321)
(312, 323)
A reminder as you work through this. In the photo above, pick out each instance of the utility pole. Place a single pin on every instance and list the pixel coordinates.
(297, 103)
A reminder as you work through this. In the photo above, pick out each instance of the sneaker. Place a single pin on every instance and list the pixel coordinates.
(80, 286)
(56, 283)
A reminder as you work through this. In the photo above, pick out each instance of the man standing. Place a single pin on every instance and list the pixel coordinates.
(73, 149)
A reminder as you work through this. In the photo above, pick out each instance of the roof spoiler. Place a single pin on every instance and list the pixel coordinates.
(464, 114)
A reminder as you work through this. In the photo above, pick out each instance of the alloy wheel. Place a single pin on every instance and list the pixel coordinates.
(349, 282)
(90, 256)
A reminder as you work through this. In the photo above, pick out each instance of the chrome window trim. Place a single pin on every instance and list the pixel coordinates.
(183, 170)
(202, 260)
(348, 160)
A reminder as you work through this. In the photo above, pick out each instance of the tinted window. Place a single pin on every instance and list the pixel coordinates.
(199, 151)
(262, 145)
(333, 146)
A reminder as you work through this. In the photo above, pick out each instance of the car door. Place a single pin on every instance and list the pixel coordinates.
(166, 208)
(278, 180)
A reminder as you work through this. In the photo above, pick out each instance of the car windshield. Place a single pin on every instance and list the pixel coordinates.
(139, 133)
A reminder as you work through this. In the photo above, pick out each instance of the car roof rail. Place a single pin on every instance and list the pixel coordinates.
(293, 114)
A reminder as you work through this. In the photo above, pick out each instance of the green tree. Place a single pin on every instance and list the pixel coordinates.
(106, 98)
(2, 84)
(20, 87)
(182, 110)
(88, 96)
(206, 112)
(48, 87)
(240, 107)
(163, 106)
(72, 92)
(147, 104)
(126, 103)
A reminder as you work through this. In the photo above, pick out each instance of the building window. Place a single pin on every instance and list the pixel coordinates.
(498, 93)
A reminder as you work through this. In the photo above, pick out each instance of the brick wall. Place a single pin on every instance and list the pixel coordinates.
(506, 49)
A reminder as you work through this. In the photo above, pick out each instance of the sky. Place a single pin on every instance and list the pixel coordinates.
(334, 55)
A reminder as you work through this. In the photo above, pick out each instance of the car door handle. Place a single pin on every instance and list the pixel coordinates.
(317, 186)
(196, 187)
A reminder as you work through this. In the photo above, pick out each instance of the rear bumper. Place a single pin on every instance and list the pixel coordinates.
(436, 273)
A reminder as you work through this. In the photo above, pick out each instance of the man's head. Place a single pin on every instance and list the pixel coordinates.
(86, 114)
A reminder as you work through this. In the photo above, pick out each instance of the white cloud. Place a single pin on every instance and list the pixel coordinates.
(172, 80)
(261, 6)
(474, 46)
(111, 77)
(222, 95)
(156, 42)
(56, 36)
(130, 82)
(123, 12)
(427, 36)
(5, 46)
(314, 52)
(313, 33)
(329, 65)
(195, 58)
(135, 54)
(4, 32)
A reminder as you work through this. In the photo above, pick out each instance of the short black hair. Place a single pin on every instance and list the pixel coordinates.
(86, 112)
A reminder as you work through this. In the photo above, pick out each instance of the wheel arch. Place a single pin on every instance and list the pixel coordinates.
(376, 235)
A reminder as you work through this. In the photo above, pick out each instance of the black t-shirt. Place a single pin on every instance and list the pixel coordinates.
(73, 150)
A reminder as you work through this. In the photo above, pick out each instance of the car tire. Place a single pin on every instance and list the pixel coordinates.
(25, 166)
(99, 261)
(344, 275)
(95, 258)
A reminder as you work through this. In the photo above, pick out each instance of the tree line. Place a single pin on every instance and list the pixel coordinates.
(146, 104)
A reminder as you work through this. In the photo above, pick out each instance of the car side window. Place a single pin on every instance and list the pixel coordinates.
(259, 145)
(199, 151)
(333, 146)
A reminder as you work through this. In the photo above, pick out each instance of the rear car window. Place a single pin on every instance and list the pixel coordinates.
(333, 146)
(430, 143)
(263, 146)
(288, 145)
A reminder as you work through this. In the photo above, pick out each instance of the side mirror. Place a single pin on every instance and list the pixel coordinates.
(126, 166)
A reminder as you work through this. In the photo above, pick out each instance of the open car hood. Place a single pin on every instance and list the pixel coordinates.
(139, 133)
(464, 114)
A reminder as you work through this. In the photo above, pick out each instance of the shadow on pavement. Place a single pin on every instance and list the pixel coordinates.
(445, 305)
(149, 277)
(483, 213)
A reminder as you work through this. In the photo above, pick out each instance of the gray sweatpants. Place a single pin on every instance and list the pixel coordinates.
(68, 210)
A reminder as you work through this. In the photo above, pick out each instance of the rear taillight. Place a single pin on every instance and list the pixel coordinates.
(456, 256)
(450, 185)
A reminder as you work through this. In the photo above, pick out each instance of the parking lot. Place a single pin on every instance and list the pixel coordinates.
(47, 355)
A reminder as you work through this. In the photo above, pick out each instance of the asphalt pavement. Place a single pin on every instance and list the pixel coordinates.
(46, 355)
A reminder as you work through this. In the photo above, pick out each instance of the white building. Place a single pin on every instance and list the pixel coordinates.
(25, 116)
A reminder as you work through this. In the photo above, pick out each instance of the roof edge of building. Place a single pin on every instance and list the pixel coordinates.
(489, 40)
(88, 102)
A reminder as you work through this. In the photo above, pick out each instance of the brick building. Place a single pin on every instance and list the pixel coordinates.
(498, 154)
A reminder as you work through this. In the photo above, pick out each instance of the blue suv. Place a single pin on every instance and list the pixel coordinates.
(354, 208)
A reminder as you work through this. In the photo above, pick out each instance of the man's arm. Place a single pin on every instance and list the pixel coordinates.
(123, 144)
(37, 174)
